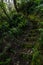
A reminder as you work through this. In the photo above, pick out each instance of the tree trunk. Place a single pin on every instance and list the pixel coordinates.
(15, 5)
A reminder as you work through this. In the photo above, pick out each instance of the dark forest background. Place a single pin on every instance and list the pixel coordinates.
(21, 33)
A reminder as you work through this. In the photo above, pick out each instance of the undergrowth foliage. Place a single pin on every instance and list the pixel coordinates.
(21, 34)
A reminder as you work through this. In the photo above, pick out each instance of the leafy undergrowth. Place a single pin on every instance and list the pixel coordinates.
(17, 41)
(21, 38)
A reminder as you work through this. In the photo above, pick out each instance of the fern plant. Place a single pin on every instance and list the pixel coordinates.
(28, 15)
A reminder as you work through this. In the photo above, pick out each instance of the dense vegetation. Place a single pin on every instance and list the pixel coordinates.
(21, 33)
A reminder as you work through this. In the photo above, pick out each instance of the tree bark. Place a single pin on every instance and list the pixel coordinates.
(15, 5)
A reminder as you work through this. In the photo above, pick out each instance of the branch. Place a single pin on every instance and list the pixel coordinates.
(3, 8)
